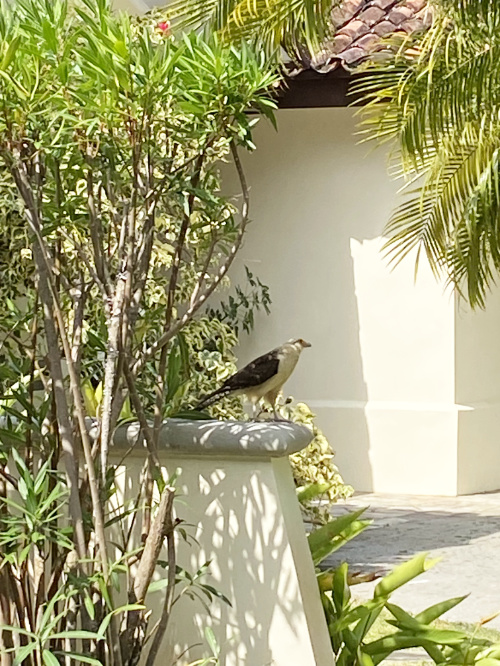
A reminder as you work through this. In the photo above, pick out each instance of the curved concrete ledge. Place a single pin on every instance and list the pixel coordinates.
(222, 438)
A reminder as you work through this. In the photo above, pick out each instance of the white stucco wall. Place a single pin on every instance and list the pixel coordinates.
(477, 387)
(398, 368)
(134, 6)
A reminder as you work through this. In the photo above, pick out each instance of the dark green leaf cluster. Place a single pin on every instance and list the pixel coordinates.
(30, 520)
(239, 309)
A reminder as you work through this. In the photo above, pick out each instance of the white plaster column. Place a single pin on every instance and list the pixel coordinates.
(404, 379)
(237, 498)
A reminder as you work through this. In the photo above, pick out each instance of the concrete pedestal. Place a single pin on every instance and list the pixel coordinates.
(238, 501)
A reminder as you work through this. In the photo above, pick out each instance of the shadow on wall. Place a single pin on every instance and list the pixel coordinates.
(243, 533)
(239, 513)
(244, 516)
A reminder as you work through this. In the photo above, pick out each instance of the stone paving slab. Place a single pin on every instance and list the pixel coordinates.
(463, 531)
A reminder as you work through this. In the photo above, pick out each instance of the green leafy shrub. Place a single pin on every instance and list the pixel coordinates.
(114, 234)
(314, 464)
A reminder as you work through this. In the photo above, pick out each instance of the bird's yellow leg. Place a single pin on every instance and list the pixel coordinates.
(271, 398)
(255, 413)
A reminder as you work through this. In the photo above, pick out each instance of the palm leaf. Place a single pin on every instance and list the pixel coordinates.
(439, 98)
(270, 24)
(453, 217)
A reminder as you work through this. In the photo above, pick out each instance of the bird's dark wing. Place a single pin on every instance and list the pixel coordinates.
(255, 373)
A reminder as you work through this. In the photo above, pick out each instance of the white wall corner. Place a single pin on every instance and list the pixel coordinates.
(405, 386)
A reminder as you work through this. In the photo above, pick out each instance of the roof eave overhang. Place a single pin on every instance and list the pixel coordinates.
(311, 89)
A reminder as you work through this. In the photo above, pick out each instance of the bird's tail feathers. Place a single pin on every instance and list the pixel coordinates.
(211, 398)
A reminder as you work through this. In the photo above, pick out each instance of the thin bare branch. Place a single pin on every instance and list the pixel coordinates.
(79, 315)
(149, 558)
(145, 427)
(207, 292)
(153, 545)
(172, 288)
(112, 354)
(96, 235)
(83, 256)
(31, 391)
(145, 468)
(169, 594)
(204, 271)
(52, 309)
(8, 477)
(148, 501)
(62, 408)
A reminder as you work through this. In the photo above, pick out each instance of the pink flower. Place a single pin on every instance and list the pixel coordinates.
(163, 27)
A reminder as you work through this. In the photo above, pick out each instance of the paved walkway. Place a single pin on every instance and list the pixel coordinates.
(464, 531)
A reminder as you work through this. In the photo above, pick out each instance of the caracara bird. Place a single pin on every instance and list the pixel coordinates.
(262, 378)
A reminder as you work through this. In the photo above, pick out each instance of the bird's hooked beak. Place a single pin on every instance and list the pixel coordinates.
(305, 344)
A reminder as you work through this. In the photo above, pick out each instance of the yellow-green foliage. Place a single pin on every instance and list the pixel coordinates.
(314, 464)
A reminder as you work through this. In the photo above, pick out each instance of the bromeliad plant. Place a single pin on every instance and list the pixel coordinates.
(111, 134)
(350, 622)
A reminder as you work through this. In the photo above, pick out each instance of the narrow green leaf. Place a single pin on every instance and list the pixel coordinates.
(9, 54)
(49, 659)
(403, 574)
(23, 653)
(77, 634)
(81, 658)
(433, 612)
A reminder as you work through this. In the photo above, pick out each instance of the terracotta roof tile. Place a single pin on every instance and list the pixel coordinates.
(354, 29)
(340, 43)
(416, 5)
(384, 4)
(369, 42)
(344, 12)
(359, 27)
(354, 54)
(384, 28)
(400, 14)
(371, 16)
(412, 25)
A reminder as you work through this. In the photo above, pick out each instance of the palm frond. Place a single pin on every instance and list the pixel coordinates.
(453, 218)
(197, 14)
(439, 98)
(270, 24)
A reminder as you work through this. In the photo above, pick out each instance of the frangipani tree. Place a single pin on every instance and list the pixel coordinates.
(111, 135)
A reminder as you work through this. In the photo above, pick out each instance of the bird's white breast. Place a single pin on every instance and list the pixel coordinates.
(288, 358)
